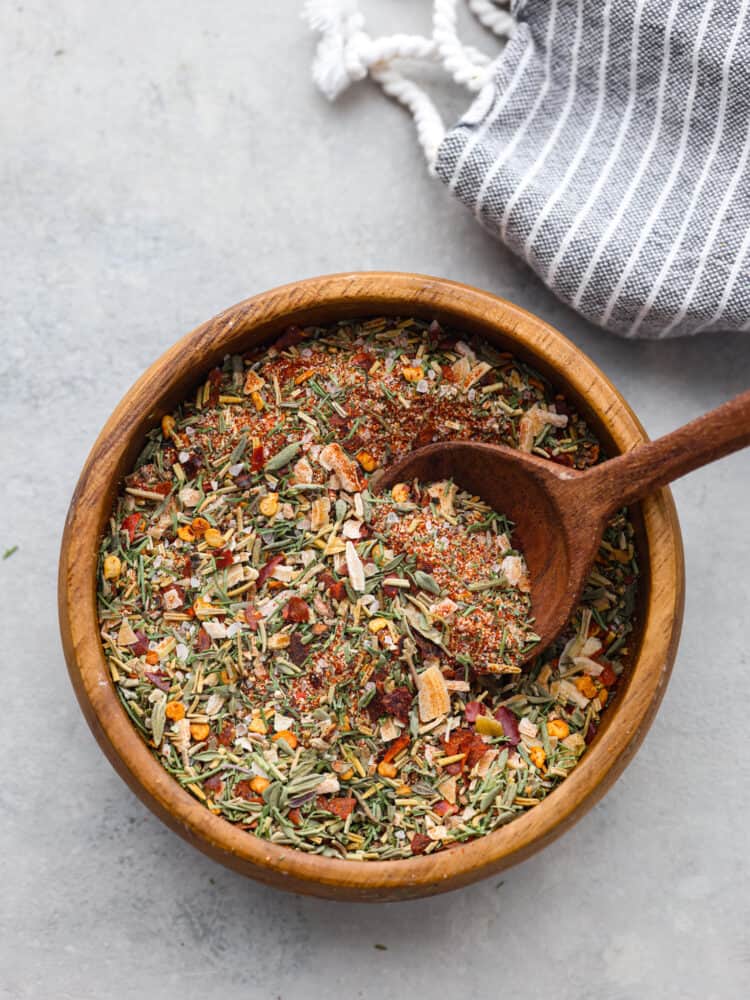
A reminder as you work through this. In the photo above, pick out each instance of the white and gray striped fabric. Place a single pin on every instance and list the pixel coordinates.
(611, 152)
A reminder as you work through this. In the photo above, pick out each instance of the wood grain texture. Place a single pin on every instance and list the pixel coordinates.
(166, 383)
(707, 438)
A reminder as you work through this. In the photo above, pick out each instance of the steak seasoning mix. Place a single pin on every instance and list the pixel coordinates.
(334, 669)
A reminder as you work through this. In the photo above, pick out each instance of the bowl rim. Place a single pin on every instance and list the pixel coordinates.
(253, 321)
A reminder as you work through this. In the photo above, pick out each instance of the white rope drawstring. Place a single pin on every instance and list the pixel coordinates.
(454, 56)
(346, 54)
(340, 59)
(492, 17)
(427, 120)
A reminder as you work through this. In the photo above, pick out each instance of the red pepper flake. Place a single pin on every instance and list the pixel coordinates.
(269, 567)
(398, 703)
(475, 751)
(339, 422)
(224, 558)
(164, 488)
(214, 784)
(337, 590)
(227, 734)
(341, 807)
(375, 705)
(192, 464)
(363, 359)
(243, 790)
(297, 651)
(159, 680)
(425, 435)
(467, 742)
(295, 816)
(140, 646)
(203, 640)
(292, 336)
(608, 677)
(510, 725)
(473, 710)
(214, 383)
(258, 459)
(295, 610)
(453, 673)
(252, 618)
(395, 748)
(419, 843)
(444, 808)
(133, 524)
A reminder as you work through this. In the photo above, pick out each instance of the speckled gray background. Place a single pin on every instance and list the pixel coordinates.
(136, 200)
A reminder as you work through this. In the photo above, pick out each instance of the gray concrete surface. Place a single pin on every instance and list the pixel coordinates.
(159, 162)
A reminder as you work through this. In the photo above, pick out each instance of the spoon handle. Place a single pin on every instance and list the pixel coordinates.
(637, 473)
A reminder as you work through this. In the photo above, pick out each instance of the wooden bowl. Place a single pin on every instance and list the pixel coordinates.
(166, 383)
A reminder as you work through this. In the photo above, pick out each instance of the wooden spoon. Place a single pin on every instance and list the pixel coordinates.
(560, 514)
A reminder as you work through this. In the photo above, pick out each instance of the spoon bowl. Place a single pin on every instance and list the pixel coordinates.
(559, 542)
(559, 513)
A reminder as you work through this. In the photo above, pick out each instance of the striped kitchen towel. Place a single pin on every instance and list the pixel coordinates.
(608, 145)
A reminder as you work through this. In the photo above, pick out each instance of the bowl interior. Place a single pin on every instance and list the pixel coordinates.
(171, 380)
